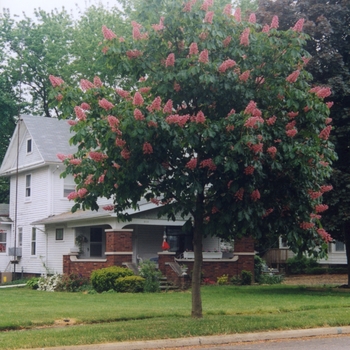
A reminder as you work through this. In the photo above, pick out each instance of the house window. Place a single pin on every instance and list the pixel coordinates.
(28, 185)
(29, 146)
(96, 242)
(339, 246)
(68, 186)
(2, 241)
(33, 242)
(59, 234)
(20, 236)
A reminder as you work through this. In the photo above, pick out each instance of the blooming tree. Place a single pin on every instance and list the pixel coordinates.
(214, 119)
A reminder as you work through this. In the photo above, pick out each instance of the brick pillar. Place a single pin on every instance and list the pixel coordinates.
(244, 249)
(118, 240)
(164, 257)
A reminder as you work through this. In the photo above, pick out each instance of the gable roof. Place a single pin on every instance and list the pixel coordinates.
(49, 136)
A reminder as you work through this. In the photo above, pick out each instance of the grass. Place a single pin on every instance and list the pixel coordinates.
(111, 317)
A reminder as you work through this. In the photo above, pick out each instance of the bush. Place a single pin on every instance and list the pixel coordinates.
(247, 277)
(130, 284)
(33, 282)
(73, 283)
(104, 279)
(49, 283)
(298, 265)
(315, 270)
(149, 272)
(222, 280)
(259, 263)
(271, 279)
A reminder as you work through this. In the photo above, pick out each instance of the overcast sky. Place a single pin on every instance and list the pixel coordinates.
(18, 6)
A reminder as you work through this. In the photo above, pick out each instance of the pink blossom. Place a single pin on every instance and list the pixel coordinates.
(239, 194)
(79, 112)
(267, 212)
(328, 121)
(194, 49)
(307, 108)
(203, 35)
(326, 188)
(227, 10)
(291, 133)
(122, 93)
(230, 128)
(152, 123)
(256, 148)
(105, 104)
(187, 7)
(59, 97)
(255, 195)
(323, 163)
(329, 104)
(208, 163)
(86, 84)
(314, 194)
(291, 125)
(97, 156)
(249, 170)
(85, 106)
(250, 107)
(226, 65)
(306, 60)
(147, 148)
(133, 54)
(200, 118)
(101, 179)
(325, 235)
(252, 18)
(307, 225)
(206, 4)
(244, 76)
(274, 22)
(324, 134)
(231, 112)
(138, 99)
(138, 114)
(145, 90)
(266, 28)
(180, 120)
(56, 81)
(315, 216)
(251, 122)
(319, 208)
(170, 61)
(168, 107)
(292, 78)
(125, 153)
(155, 105)
(237, 14)
(272, 151)
(120, 142)
(72, 122)
(73, 195)
(209, 17)
(226, 41)
(109, 207)
(89, 179)
(107, 33)
(324, 92)
(298, 27)
(191, 164)
(292, 114)
(244, 39)
(97, 82)
(203, 56)
(271, 120)
(62, 156)
(113, 123)
(136, 34)
(160, 26)
(82, 192)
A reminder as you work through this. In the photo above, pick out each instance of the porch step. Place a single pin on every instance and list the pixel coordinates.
(132, 267)
(167, 285)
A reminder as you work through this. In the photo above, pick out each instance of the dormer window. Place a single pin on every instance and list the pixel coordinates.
(29, 146)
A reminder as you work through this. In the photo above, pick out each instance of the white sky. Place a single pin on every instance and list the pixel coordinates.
(18, 6)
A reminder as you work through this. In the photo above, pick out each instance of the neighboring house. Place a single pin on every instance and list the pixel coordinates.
(41, 235)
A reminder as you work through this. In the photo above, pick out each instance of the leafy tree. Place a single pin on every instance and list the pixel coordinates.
(327, 23)
(213, 118)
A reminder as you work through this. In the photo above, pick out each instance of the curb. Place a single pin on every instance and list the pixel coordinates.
(209, 340)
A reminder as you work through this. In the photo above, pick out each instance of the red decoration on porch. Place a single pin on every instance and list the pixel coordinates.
(165, 245)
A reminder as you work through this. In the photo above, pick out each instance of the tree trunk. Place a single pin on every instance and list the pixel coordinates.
(347, 247)
(198, 258)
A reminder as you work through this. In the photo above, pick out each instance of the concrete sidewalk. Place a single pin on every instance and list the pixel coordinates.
(209, 340)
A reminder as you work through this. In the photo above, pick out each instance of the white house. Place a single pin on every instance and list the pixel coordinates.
(41, 235)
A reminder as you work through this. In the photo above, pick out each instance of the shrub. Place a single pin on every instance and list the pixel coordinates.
(271, 279)
(259, 263)
(129, 284)
(315, 270)
(33, 282)
(222, 280)
(149, 272)
(208, 281)
(73, 283)
(298, 265)
(236, 280)
(49, 283)
(104, 279)
(247, 277)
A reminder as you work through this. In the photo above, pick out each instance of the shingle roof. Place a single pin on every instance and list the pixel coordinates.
(50, 135)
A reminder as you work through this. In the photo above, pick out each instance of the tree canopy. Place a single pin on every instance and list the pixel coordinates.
(213, 117)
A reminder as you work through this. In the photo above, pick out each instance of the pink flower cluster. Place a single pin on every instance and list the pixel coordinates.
(97, 82)
(193, 49)
(125, 153)
(325, 235)
(86, 84)
(180, 120)
(55, 81)
(155, 105)
(324, 134)
(122, 93)
(237, 14)
(227, 10)
(271, 120)
(239, 194)
(292, 115)
(226, 41)
(206, 4)
(298, 27)
(191, 164)
(170, 60)
(138, 99)
(138, 114)
(136, 34)
(319, 208)
(109, 207)
(291, 125)
(292, 78)
(274, 22)
(168, 107)
(272, 151)
(226, 65)
(255, 195)
(314, 194)
(120, 142)
(159, 26)
(108, 33)
(252, 18)
(113, 123)
(133, 54)
(244, 39)
(244, 76)
(204, 56)
(267, 212)
(199, 118)
(209, 17)
(307, 225)
(62, 156)
(321, 92)
(251, 122)
(85, 106)
(291, 132)
(249, 170)
(208, 163)
(105, 104)
(326, 188)
(75, 161)
(97, 156)
(79, 112)
(147, 148)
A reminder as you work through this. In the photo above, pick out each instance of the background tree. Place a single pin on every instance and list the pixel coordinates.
(327, 23)
(214, 119)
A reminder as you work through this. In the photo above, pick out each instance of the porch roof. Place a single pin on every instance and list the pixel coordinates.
(5, 220)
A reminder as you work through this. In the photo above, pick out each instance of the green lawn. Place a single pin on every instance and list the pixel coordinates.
(111, 317)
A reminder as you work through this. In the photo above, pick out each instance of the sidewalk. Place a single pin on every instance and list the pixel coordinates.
(209, 340)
